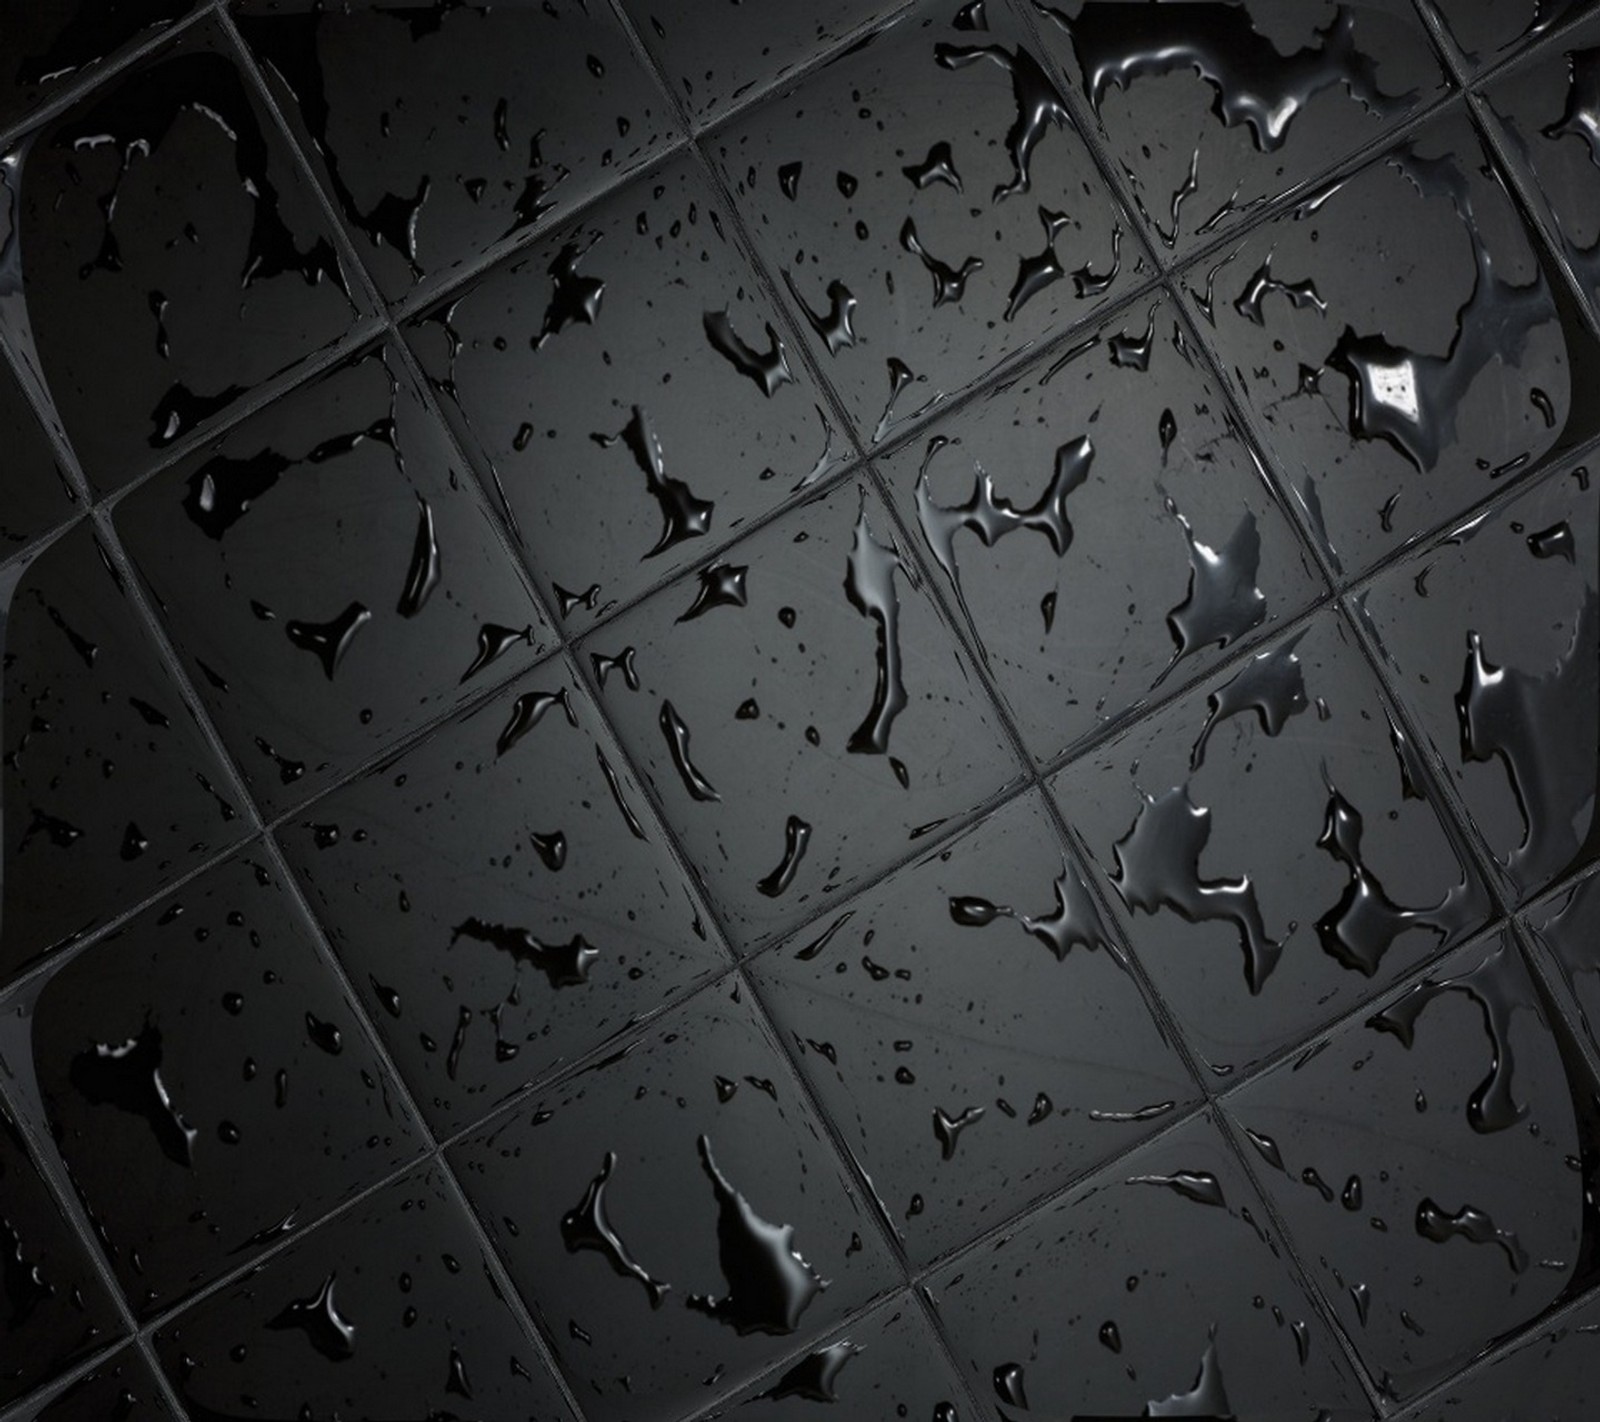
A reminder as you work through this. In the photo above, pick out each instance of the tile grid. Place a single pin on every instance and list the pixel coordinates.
(363, 335)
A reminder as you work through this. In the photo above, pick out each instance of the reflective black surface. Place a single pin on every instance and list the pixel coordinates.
(866, 710)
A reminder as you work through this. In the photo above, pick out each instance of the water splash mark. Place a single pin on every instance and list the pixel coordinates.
(1271, 684)
(1223, 601)
(949, 283)
(938, 167)
(721, 585)
(1039, 105)
(1541, 726)
(1200, 1186)
(329, 641)
(992, 517)
(901, 377)
(127, 1075)
(527, 711)
(623, 661)
(677, 737)
(1074, 922)
(318, 1317)
(1207, 1398)
(1472, 1224)
(1043, 269)
(769, 370)
(683, 516)
(947, 1129)
(1158, 866)
(796, 839)
(574, 298)
(1087, 282)
(869, 585)
(588, 1226)
(563, 964)
(1252, 83)
(836, 325)
(769, 1285)
(422, 577)
(494, 641)
(1302, 295)
(816, 1376)
(220, 492)
(1490, 985)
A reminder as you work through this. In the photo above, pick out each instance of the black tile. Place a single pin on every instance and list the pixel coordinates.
(628, 391)
(670, 1215)
(814, 718)
(170, 239)
(330, 577)
(389, 1310)
(1567, 926)
(1403, 342)
(1155, 1285)
(902, 281)
(121, 1389)
(38, 496)
(110, 791)
(1492, 636)
(53, 1309)
(545, 105)
(1269, 845)
(1426, 1157)
(1491, 31)
(183, 1060)
(973, 1032)
(1212, 110)
(491, 903)
(1125, 473)
(50, 47)
(887, 1364)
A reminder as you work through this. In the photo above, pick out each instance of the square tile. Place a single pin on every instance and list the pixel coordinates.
(330, 577)
(1493, 635)
(973, 1033)
(802, 712)
(1403, 343)
(1271, 848)
(1567, 926)
(497, 898)
(57, 1311)
(1150, 541)
(888, 1364)
(545, 106)
(919, 249)
(1425, 1156)
(716, 56)
(1211, 111)
(122, 1389)
(38, 496)
(52, 46)
(388, 1310)
(626, 415)
(1546, 111)
(1154, 1290)
(109, 789)
(1492, 31)
(679, 1224)
(185, 1061)
(169, 236)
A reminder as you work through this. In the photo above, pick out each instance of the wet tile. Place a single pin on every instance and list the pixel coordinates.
(1213, 110)
(1154, 1286)
(55, 1310)
(37, 494)
(1567, 925)
(1426, 1156)
(492, 903)
(886, 1365)
(183, 1060)
(122, 1389)
(921, 248)
(110, 791)
(1491, 31)
(545, 106)
(802, 712)
(1548, 1375)
(1492, 637)
(1269, 846)
(168, 236)
(1150, 539)
(970, 1027)
(626, 414)
(1402, 344)
(386, 1311)
(331, 577)
(1549, 108)
(52, 46)
(671, 1214)
(715, 56)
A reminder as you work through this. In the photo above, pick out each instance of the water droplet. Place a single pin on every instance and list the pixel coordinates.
(1272, 684)
(769, 370)
(949, 283)
(946, 1129)
(683, 515)
(677, 735)
(869, 584)
(526, 713)
(1472, 1224)
(796, 836)
(588, 1226)
(127, 1075)
(938, 167)
(423, 574)
(564, 964)
(318, 1317)
(329, 641)
(815, 1377)
(721, 585)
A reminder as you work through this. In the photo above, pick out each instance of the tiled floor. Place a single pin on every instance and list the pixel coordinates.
(719, 708)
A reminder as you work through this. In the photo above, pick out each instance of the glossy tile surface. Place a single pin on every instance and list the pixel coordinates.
(879, 709)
